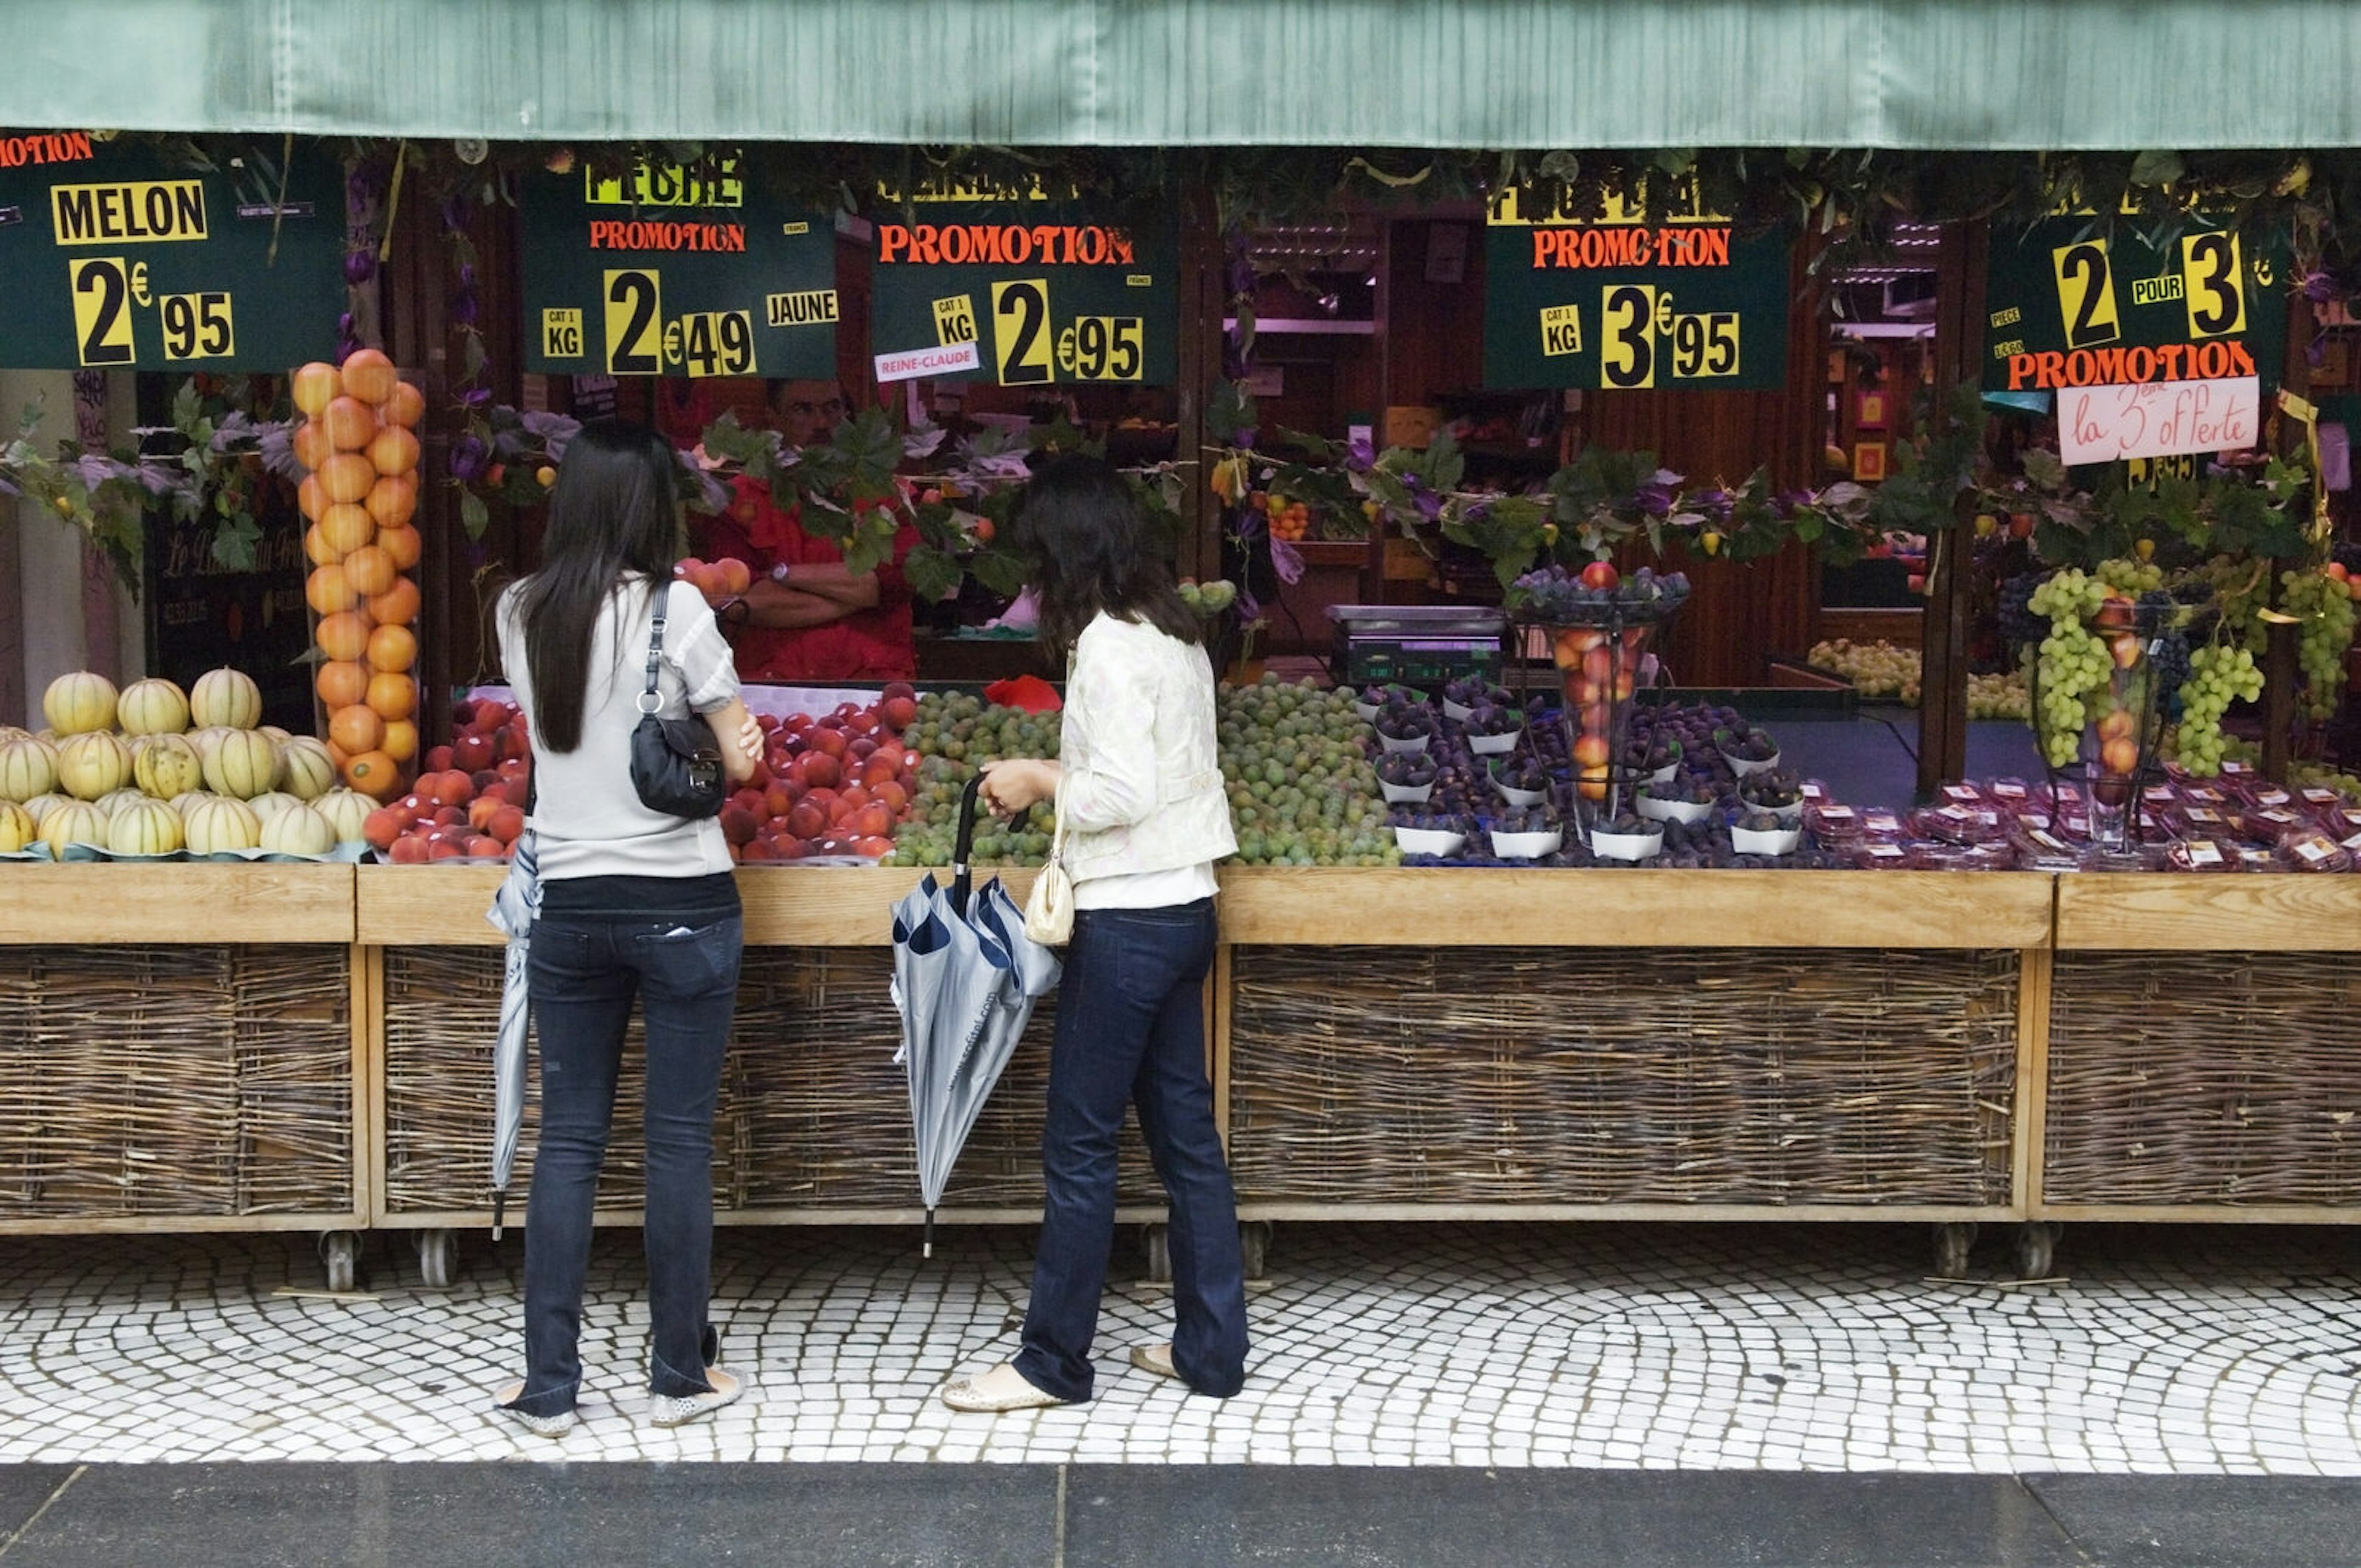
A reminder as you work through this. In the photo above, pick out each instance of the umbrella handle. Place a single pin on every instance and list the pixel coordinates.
(965, 843)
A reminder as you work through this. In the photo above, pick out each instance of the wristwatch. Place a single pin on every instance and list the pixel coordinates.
(780, 573)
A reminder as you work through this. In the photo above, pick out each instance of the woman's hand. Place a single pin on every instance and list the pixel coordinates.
(738, 737)
(1011, 785)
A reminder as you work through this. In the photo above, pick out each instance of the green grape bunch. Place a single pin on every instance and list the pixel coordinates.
(2070, 663)
(2218, 675)
(2323, 607)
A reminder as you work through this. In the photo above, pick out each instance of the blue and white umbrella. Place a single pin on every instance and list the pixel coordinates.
(965, 980)
(514, 909)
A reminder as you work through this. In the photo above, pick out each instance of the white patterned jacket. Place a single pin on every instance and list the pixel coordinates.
(1143, 785)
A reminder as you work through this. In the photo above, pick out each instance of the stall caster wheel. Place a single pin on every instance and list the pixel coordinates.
(1254, 1245)
(1159, 1254)
(2037, 1244)
(340, 1254)
(1952, 1241)
(438, 1257)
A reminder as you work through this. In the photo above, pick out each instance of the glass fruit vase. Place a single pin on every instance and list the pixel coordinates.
(2120, 735)
(1599, 664)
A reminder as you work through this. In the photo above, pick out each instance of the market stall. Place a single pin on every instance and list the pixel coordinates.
(184, 1048)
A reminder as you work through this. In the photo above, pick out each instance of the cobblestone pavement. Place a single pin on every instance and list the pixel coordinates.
(1773, 1347)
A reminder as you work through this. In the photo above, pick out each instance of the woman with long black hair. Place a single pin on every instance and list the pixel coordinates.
(635, 904)
(1139, 788)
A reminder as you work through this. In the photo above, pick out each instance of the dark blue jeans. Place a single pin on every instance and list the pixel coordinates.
(1131, 1026)
(585, 971)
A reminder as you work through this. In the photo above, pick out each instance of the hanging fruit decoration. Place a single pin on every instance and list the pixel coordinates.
(360, 497)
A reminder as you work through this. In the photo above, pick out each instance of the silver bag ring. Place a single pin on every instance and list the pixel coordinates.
(650, 704)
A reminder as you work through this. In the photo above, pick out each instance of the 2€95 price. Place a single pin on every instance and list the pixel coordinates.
(108, 292)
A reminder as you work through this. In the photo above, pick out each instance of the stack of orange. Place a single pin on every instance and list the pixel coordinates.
(360, 494)
(1289, 520)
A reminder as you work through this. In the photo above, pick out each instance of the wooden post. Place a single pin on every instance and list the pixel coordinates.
(1203, 293)
(1951, 553)
(2282, 668)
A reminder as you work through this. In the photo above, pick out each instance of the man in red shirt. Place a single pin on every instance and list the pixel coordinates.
(807, 619)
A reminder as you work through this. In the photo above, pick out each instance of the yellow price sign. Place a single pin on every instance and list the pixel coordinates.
(954, 320)
(1560, 330)
(2086, 293)
(1104, 348)
(561, 334)
(634, 298)
(198, 326)
(102, 307)
(2213, 284)
(713, 343)
(1020, 323)
(1705, 345)
(1627, 337)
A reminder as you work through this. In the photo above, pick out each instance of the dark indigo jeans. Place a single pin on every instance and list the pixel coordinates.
(586, 970)
(1131, 1027)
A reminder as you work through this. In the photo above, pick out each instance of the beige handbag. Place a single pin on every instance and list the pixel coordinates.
(1049, 907)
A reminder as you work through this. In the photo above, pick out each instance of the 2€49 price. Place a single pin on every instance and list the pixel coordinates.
(108, 292)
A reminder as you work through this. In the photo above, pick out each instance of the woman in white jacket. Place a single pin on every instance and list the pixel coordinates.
(1140, 790)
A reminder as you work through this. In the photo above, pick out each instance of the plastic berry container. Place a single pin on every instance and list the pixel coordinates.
(2310, 850)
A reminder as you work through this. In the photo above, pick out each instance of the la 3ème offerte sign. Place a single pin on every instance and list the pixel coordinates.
(1026, 290)
(2154, 350)
(1610, 301)
(116, 261)
(656, 269)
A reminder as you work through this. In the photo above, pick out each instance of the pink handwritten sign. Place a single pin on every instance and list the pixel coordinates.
(2157, 419)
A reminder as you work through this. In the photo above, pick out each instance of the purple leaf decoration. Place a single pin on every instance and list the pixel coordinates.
(1249, 607)
(1430, 505)
(235, 426)
(1361, 453)
(549, 427)
(1285, 562)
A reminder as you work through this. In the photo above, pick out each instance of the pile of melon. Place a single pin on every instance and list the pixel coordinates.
(154, 772)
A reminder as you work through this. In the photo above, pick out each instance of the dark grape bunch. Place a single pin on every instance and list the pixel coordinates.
(1775, 790)
(1407, 770)
(1403, 722)
(1686, 789)
(2019, 627)
(1525, 819)
(1758, 820)
(1430, 821)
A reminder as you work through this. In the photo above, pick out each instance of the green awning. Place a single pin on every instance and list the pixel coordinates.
(2031, 74)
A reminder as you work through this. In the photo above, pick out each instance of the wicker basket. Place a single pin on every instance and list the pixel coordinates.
(175, 1081)
(813, 1113)
(1475, 1075)
(2200, 1079)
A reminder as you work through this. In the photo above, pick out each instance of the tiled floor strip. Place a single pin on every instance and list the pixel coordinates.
(1777, 1347)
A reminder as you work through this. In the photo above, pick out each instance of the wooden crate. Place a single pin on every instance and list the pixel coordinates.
(814, 1116)
(175, 1084)
(2221, 1083)
(1555, 1079)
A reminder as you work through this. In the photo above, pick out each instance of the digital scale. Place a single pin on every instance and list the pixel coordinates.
(1416, 644)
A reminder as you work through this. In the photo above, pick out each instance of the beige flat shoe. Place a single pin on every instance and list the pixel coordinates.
(1155, 1358)
(557, 1425)
(1001, 1389)
(679, 1409)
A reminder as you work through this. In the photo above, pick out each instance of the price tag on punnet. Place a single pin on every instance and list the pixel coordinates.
(118, 260)
(1043, 292)
(654, 268)
(1613, 300)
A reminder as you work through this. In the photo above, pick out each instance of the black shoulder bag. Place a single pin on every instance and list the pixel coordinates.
(675, 762)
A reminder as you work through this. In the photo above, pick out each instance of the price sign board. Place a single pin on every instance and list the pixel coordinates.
(2069, 304)
(656, 268)
(117, 261)
(1617, 304)
(1043, 292)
